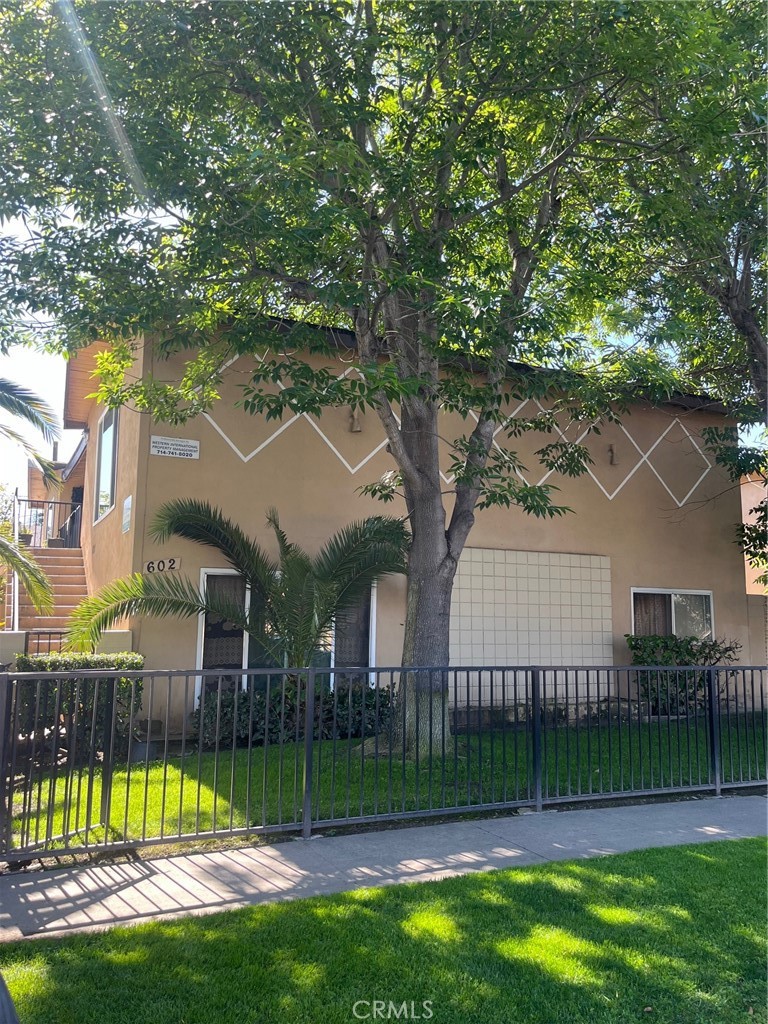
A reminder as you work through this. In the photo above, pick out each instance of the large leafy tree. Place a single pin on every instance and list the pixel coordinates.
(294, 597)
(425, 174)
(692, 278)
(679, 259)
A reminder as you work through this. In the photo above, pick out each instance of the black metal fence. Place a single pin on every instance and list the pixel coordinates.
(43, 641)
(44, 523)
(93, 760)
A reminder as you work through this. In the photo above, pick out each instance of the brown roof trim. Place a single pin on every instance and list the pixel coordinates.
(78, 385)
(75, 414)
(342, 337)
(77, 454)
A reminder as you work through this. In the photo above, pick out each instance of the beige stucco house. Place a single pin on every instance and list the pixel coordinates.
(649, 546)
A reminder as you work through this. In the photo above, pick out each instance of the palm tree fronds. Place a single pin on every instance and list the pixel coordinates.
(293, 599)
(47, 468)
(157, 596)
(31, 576)
(131, 595)
(285, 546)
(51, 478)
(361, 553)
(24, 404)
(198, 521)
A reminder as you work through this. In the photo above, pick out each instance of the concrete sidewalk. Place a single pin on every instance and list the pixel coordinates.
(78, 899)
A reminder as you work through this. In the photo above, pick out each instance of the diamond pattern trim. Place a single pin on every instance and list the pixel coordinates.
(644, 457)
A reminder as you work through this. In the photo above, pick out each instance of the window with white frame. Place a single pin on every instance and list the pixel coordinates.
(224, 645)
(106, 464)
(672, 613)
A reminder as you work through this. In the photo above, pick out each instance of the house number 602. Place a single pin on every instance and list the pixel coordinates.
(162, 565)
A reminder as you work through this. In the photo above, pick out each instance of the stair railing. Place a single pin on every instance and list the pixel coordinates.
(50, 523)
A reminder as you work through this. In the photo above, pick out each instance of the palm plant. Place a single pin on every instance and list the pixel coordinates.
(23, 404)
(294, 597)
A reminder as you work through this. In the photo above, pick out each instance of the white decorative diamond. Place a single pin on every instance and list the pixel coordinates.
(641, 458)
(707, 464)
(246, 457)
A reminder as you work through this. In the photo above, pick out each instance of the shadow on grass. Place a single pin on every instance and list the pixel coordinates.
(680, 931)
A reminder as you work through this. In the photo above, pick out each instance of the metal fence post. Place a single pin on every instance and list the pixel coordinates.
(6, 780)
(107, 752)
(713, 717)
(537, 766)
(309, 731)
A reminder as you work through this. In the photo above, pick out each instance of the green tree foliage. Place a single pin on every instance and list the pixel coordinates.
(427, 175)
(680, 256)
(294, 597)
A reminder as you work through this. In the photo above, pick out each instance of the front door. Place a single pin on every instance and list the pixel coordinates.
(223, 643)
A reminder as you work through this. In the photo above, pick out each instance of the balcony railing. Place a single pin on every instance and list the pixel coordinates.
(53, 524)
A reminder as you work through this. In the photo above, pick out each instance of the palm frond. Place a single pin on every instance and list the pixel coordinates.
(293, 599)
(291, 608)
(200, 522)
(31, 576)
(285, 547)
(51, 478)
(359, 554)
(24, 404)
(156, 596)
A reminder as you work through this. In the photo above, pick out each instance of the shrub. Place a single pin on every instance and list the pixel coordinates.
(278, 716)
(664, 693)
(75, 709)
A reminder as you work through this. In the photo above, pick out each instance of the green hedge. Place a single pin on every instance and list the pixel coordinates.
(347, 712)
(79, 704)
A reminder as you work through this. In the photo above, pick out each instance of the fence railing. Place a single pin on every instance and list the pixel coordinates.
(43, 523)
(93, 760)
(43, 641)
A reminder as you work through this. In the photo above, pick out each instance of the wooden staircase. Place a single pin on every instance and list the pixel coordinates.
(64, 568)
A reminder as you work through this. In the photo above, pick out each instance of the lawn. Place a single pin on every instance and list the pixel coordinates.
(673, 936)
(204, 792)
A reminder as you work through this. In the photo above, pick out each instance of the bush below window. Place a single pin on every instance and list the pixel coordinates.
(677, 693)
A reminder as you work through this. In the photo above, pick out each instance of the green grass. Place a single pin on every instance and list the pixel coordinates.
(202, 793)
(672, 936)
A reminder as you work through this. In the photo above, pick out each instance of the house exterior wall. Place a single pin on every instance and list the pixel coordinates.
(108, 549)
(753, 492)
(653, 512)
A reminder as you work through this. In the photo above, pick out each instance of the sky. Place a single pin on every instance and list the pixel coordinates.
(43, 374)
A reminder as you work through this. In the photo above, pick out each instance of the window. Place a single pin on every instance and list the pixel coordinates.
(352, 635)
(222, 645)
(668, 612)
(106, 464)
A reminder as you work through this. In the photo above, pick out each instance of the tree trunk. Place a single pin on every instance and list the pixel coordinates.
(424, 692)
(431, 572)
(746, 323)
